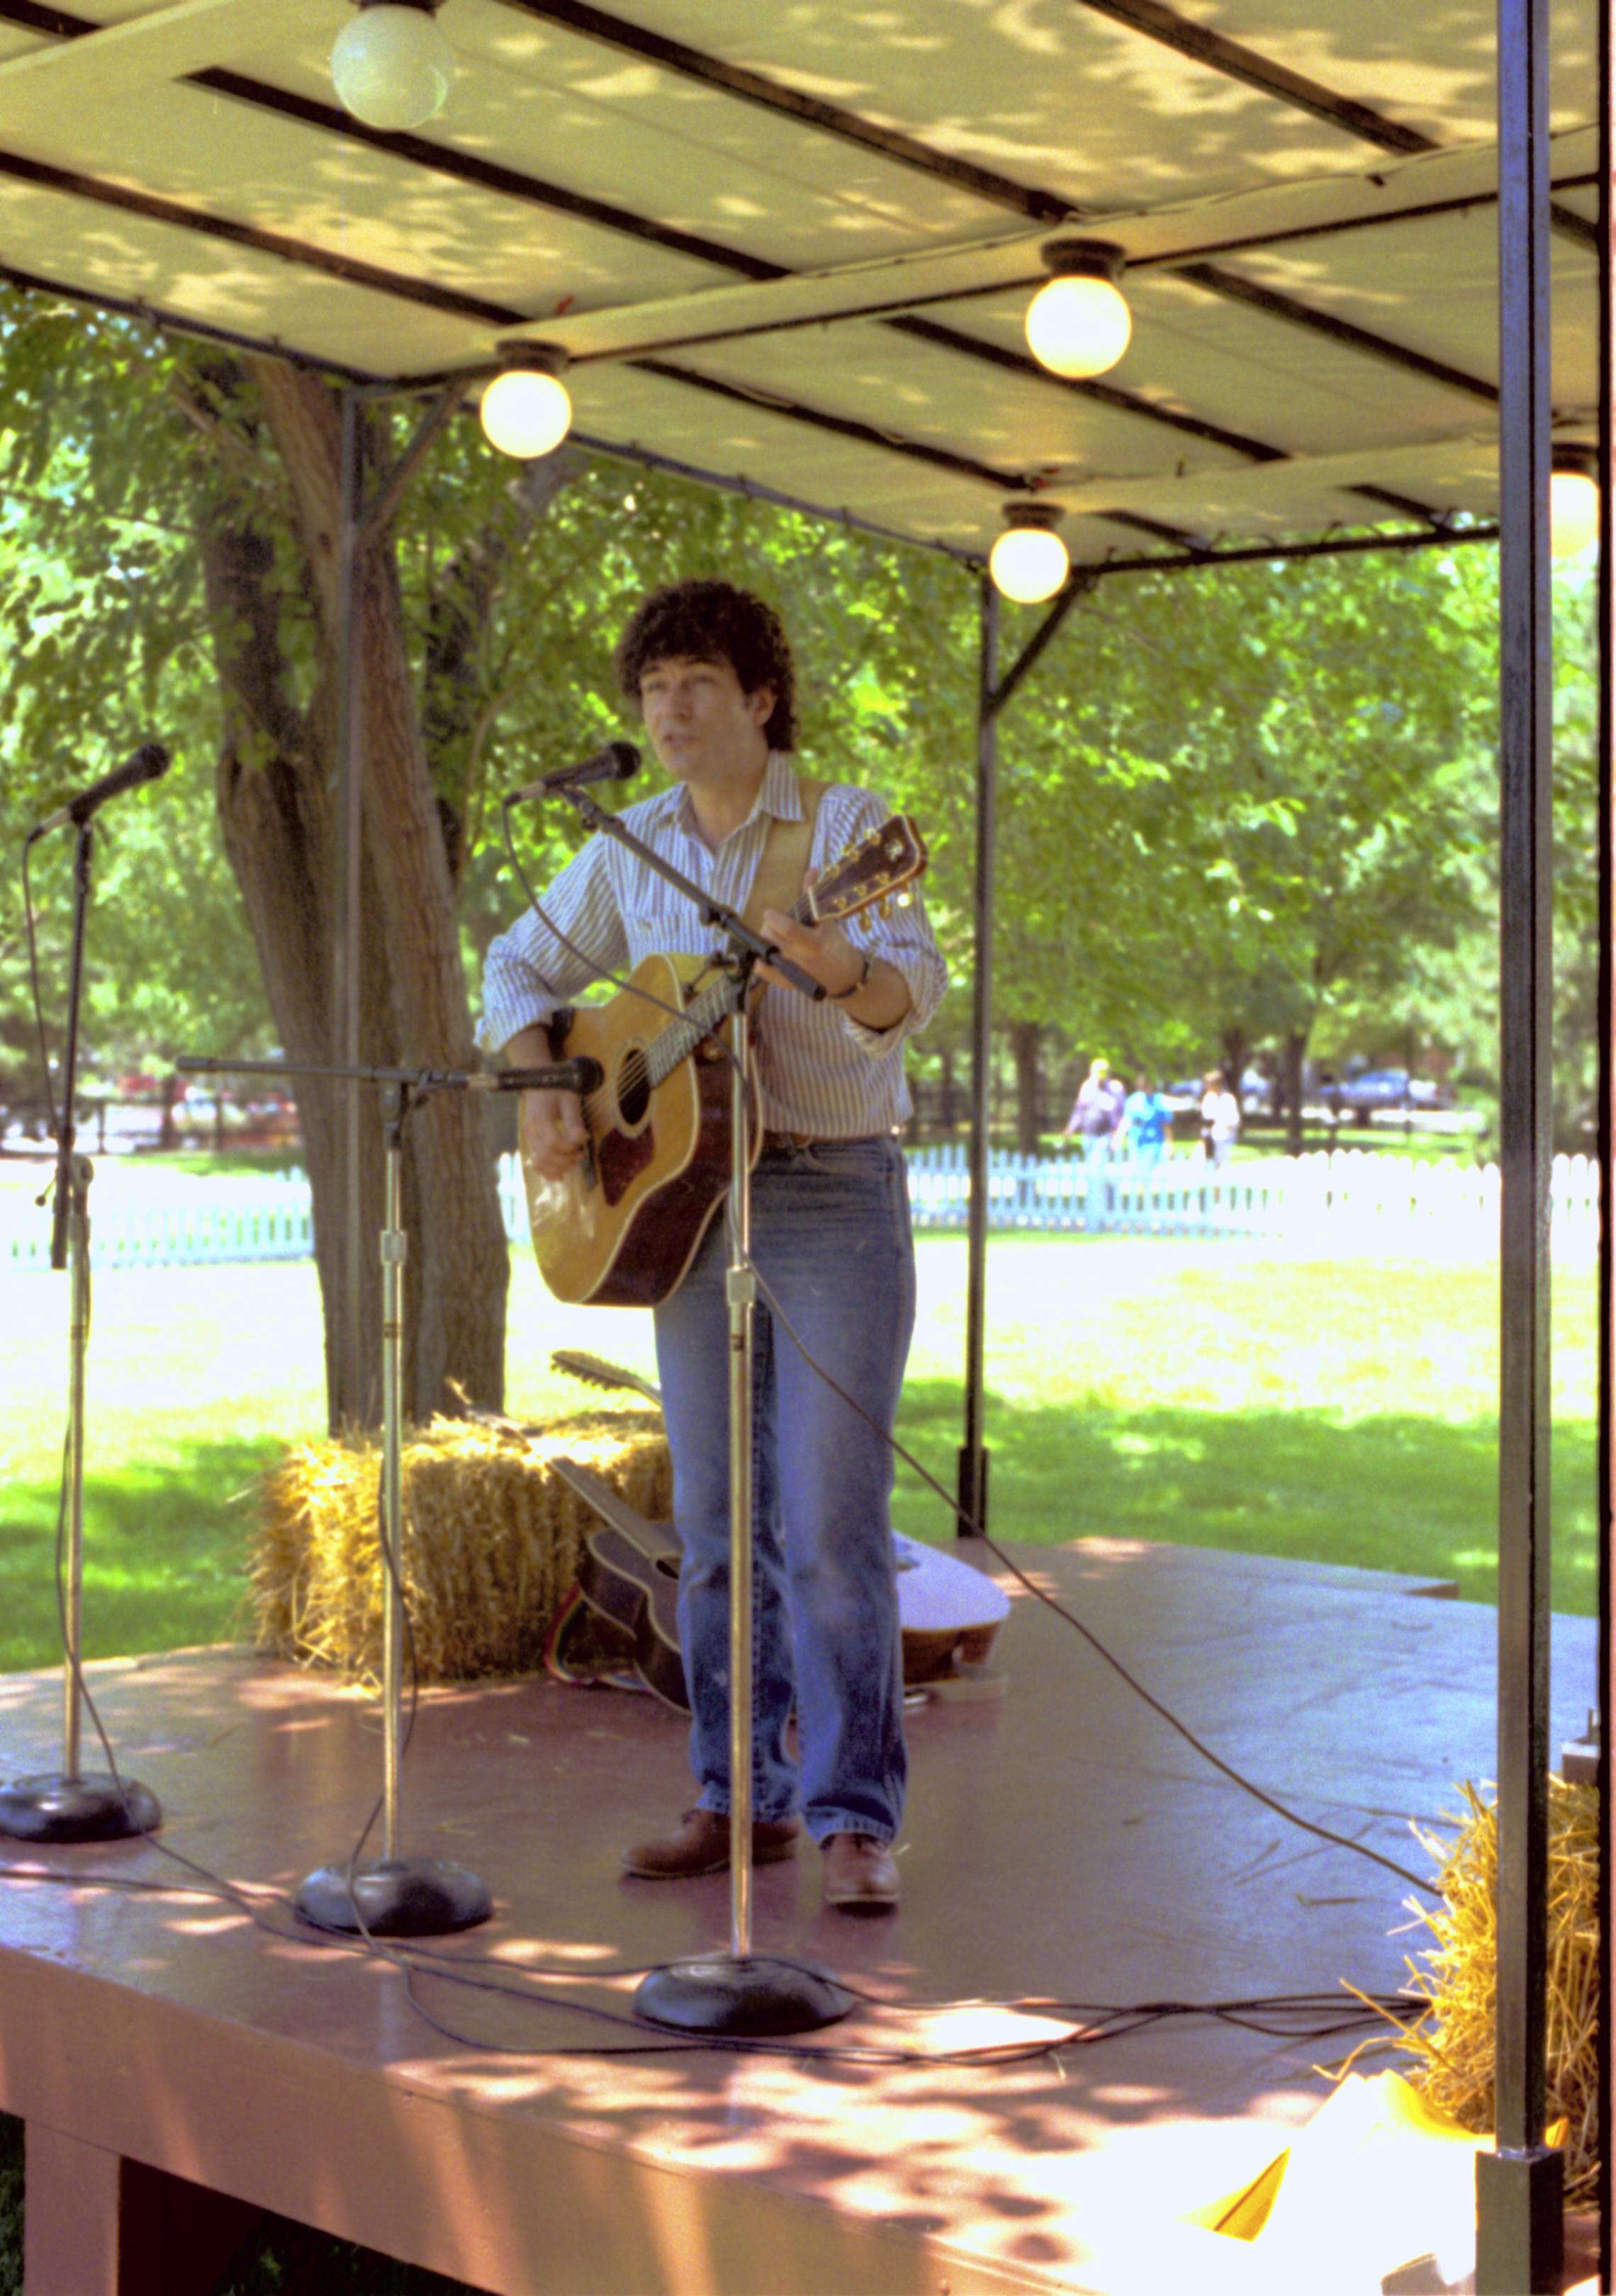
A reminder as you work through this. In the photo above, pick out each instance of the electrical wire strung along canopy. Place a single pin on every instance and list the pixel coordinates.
(797, 247)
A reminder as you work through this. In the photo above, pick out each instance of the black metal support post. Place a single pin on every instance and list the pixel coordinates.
(350, 878)
(1605, 610)
(992, 694)
(973, 1489)
(1519, 2188)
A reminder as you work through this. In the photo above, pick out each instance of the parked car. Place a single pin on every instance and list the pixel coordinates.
(1373, 1088)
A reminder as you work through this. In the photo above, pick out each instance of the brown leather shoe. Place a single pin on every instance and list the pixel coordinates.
(701, 1846)
(860, 1874)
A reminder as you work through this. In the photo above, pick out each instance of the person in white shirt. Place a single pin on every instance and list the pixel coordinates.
(710, 669)
(1219, 1118)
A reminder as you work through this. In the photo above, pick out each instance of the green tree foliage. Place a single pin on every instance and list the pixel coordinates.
(1241, 807)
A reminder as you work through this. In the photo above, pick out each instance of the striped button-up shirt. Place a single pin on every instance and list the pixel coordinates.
(820, 1070)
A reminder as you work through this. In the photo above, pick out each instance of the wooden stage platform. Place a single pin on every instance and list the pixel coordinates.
(1062, 1845)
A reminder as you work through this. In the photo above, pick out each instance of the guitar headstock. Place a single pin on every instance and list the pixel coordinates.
(878, 867)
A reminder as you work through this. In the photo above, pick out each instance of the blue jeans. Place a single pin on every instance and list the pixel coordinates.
(1096, 1188)
(830, 1238)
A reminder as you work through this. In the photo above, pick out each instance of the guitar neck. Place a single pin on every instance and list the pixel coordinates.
(680, 1038)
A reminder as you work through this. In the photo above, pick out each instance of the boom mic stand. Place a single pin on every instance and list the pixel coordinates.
(392, 1895)
(739, 1992)
(69, 1805)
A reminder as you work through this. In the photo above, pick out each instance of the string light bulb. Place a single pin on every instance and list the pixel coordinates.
(392, 65)
(1028, 562)
(1079, 323)
(526, 410)
(1573, 502)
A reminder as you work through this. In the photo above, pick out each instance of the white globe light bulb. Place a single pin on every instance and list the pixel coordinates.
(391, 66)
(525, 414)
(1028, 564)
(1077, 326)
(1573, 512)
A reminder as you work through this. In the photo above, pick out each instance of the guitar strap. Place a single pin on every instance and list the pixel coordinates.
(783, 861)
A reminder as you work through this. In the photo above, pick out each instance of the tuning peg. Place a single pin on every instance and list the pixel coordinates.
(885, 907)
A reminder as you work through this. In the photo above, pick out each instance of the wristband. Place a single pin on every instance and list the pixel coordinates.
(841, 996)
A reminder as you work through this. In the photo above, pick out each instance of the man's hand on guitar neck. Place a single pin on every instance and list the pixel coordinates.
(551, 1123)
(872, 991)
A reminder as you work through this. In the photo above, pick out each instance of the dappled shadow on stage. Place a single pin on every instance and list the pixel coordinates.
(1064, 1852)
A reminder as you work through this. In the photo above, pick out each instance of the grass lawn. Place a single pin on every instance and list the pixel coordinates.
(1340, 1412)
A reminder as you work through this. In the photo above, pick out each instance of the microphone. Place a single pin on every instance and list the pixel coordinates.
(580, 1075)
(145, 766)
(618, 761)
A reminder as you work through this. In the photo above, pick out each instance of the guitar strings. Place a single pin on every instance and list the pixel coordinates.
(617, 981)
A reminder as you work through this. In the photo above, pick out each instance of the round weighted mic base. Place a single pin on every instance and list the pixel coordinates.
(750, 1995)
(94, 1808)
(397, 1896)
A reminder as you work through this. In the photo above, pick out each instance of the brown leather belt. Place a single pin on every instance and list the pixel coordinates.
(814, 1139)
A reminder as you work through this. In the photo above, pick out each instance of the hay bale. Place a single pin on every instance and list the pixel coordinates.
(491, 1541)
(1453, 2042)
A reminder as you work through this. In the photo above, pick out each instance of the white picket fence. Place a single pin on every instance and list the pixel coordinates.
(1323, 1205)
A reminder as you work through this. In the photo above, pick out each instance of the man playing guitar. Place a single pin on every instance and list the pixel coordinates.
(710, 669)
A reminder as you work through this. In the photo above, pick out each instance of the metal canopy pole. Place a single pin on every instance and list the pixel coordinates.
(350, 850)
(1605, 610)
(973, 1487)
(1519, 2240)
(993, 692)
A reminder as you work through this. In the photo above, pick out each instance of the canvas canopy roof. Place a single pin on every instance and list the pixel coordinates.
(791, 248)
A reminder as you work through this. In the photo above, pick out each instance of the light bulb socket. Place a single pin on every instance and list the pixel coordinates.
(517, 357)
(1084, 259)
(1033, 517)
(1580, 461)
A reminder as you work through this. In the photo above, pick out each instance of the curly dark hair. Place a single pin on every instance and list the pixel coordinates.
(714, 621)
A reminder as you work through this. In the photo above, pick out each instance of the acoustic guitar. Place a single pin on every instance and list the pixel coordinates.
(628, 1575)
(620, 1230)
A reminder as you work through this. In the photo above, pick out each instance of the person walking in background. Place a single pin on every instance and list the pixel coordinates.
(1219, 1118)
(1146, 1125)
(1096, 1117)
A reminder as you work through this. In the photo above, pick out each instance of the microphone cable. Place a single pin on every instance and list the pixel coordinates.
(1217, 1761)
(1236, 1776)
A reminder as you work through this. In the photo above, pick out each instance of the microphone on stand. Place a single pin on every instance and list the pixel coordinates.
(618, 761)
(580, 1075)
(145, 766)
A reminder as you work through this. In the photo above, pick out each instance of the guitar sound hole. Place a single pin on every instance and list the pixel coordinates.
(669, 1565)
(633, 1089)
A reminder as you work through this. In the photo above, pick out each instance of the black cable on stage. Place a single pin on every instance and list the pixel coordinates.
(1301, 2017)
(1237, 1777)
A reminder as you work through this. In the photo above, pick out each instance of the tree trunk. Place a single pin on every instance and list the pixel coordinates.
(1294, 1053)
(164, 1125)
(1236, 1048)
(948, 1112)
(1024, 1044)
(276, 784)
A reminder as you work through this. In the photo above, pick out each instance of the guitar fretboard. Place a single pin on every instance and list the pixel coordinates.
(680, 1038)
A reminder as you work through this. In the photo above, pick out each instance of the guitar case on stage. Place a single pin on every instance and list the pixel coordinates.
(627, 1584)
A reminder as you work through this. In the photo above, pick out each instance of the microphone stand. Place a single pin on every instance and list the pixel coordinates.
(68, 1805)
(739, 1992)
(393, 1895)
